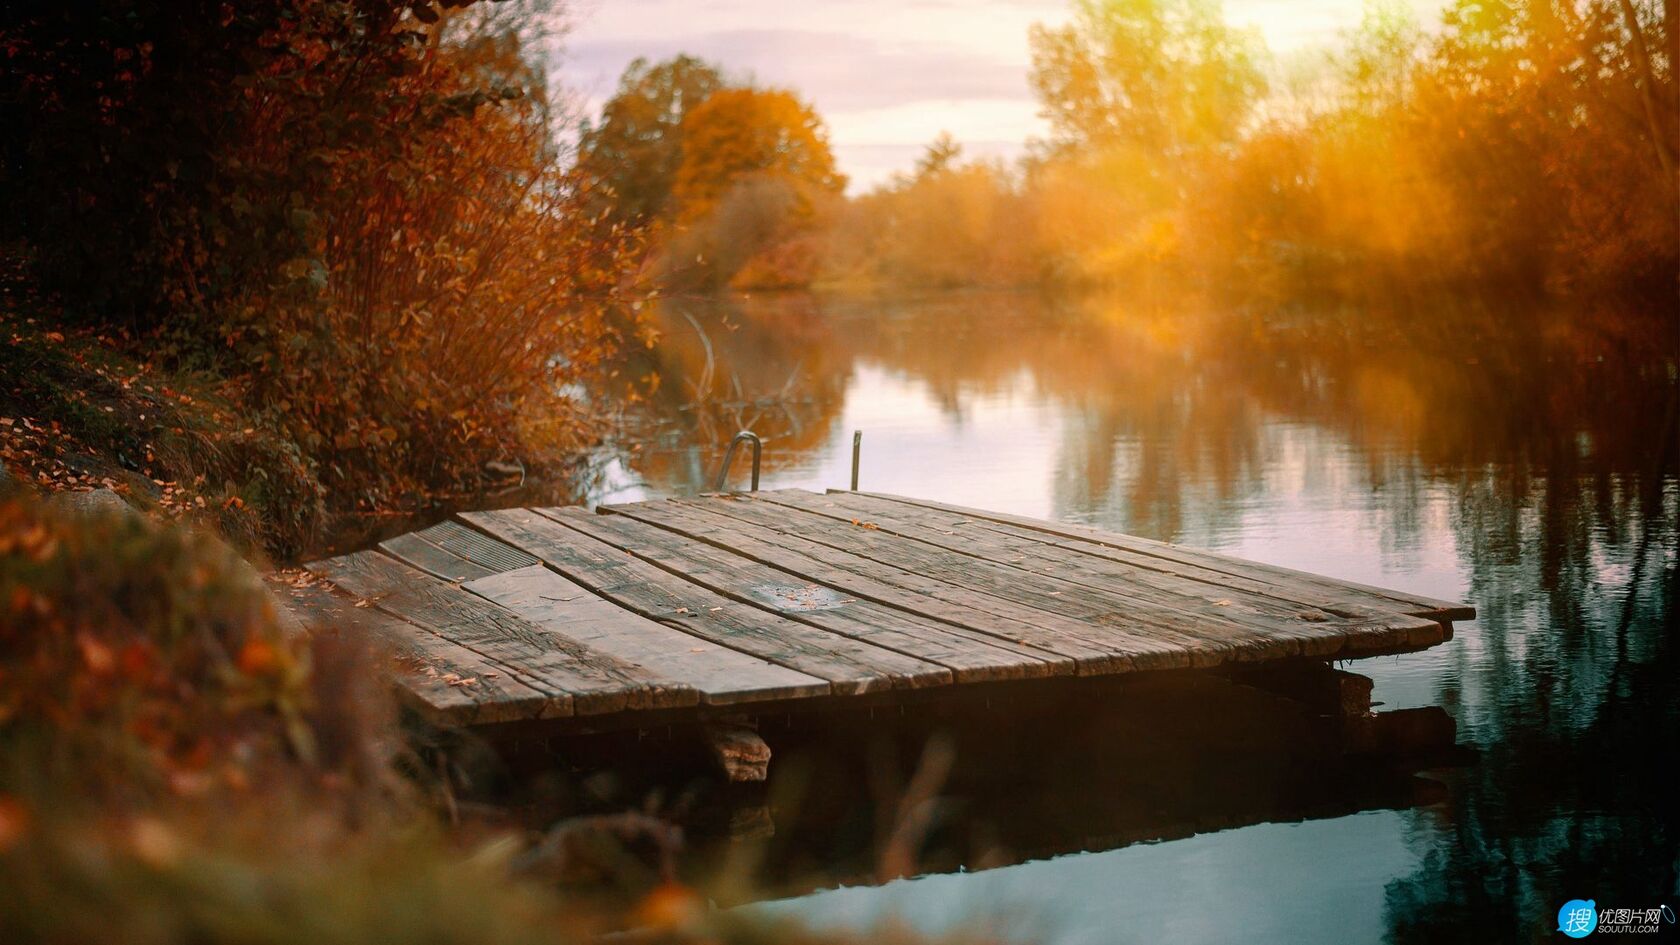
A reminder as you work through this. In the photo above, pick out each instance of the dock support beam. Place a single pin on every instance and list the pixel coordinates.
(1320, 688)
(737, 750)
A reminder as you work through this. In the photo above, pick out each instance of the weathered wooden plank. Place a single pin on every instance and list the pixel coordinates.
(1320, 632)
(1222, 631)
(1220, 571)
(477, 547)
(951, 577)
(958, 566)
(971, 657)
(582, 680)
(414, 549)
(720, 675)
(444, 681)
(1160, 643)
(1193, 579)
(1286, 581)
(865, 579)
(850, 666)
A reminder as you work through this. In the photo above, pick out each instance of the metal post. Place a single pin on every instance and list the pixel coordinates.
(729, 457)
(857, 449)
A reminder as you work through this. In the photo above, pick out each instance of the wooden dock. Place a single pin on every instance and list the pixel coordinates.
(727, 606)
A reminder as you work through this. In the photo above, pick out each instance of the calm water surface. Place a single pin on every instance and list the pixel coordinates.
(1528, 473)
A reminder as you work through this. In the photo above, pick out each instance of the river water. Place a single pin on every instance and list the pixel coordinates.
(1529, 470)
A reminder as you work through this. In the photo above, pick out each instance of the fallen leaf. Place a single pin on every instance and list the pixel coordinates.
(154, 843)
(257, 657)
(95, 654)
(14, 822)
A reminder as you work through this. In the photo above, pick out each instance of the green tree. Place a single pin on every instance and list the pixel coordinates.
(1164, 76)
(638, 145)
(941, 154)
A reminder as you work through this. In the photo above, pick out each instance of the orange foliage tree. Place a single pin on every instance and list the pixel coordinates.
(635, 148)
(740, 132)
(949, 223)
(756, 175)
(1528, 145)
(356, 212)
(460, 273)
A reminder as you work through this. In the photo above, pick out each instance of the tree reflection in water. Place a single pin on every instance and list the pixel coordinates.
(1539, 461)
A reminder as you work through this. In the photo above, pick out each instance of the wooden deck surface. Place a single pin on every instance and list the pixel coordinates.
(764, 600)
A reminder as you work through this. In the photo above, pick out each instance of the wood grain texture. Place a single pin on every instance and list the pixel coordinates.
(442, 680)
(865, 579)
(850, 667)
(1282, 580)
(971, 657)
(720, 675)
(942, 575)
(477, 547)
(1335, 629)
(415, 550)
(1232, 627)
(582, 681)
(772, 598)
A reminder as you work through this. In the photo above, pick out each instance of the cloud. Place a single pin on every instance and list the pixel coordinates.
(837, 71)
(884, 73)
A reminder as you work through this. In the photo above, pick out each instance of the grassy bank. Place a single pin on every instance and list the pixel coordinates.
(175, 767)
(82, 410)
(86, 408)
(306, 260)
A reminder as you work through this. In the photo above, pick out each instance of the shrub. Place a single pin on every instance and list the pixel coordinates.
(174, 767)
(353, 215)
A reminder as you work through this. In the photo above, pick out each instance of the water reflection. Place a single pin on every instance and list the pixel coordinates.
(1437, 450)
(1258, 884)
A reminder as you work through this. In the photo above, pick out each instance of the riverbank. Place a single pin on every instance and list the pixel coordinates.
(85, 408)
(175, 766)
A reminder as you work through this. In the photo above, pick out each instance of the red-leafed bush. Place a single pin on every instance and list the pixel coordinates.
(353, 213)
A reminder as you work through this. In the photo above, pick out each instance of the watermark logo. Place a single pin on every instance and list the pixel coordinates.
(1578, 918)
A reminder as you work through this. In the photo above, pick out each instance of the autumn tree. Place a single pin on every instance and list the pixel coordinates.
(940, 155)
(1163, 76)
(745, 132)
(637, 145)
(1554, 124)
(755, 181)
(116, 118)
(355, 214)
(947, 223)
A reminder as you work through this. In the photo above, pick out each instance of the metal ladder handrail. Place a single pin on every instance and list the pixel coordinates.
(729, 457)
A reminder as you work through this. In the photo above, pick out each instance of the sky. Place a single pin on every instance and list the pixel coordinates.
(887, 75)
